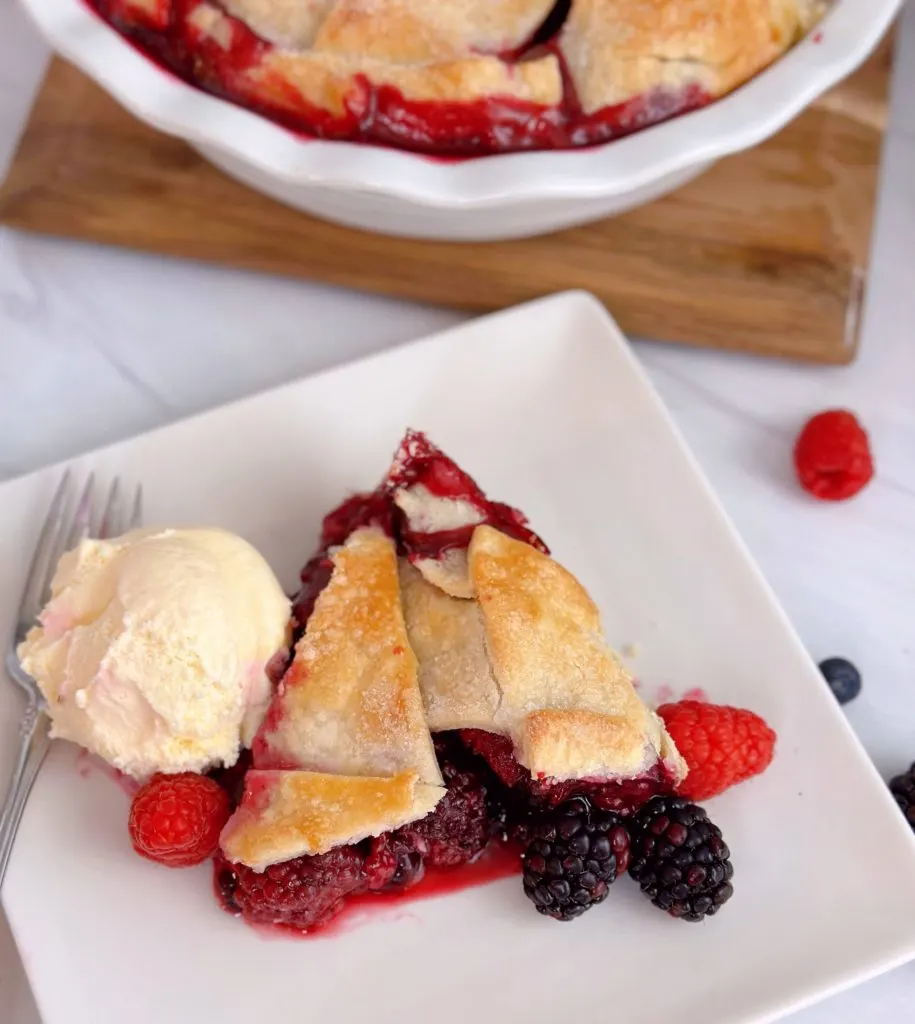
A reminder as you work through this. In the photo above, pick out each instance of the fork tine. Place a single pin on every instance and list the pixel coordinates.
(61, 541)
(136, 516)
(110, 524)
(41, 565)
(81, 525)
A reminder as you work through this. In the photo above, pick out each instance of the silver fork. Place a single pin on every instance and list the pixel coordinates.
(63, 529)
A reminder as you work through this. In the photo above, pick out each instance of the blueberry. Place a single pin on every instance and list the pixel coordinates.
(843, 678)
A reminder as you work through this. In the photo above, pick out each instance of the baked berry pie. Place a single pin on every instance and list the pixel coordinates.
(450, 687)
(466, 76)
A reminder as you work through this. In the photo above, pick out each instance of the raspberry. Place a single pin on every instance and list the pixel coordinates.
(832, 456)
(498, 753)
(722, 746)
(393, 862)
(176, 819)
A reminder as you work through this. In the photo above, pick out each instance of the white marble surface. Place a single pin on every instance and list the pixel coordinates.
(96, 345)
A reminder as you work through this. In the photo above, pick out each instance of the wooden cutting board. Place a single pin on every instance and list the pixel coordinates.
(765, 253)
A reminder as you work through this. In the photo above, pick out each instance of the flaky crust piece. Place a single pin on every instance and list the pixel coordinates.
(526, 658)
(617, 50)
(286, 814)
(350, 703)
(344, 752)
(328, 55)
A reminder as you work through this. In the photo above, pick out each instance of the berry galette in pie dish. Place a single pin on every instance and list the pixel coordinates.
(444, 710)
(466, 76)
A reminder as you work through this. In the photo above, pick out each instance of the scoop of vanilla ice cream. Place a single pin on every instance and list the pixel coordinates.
(153, 648)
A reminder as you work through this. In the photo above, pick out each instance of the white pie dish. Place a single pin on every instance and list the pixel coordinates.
(397, 192)
(806, 919)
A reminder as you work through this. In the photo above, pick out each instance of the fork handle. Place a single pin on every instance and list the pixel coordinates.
(34, 742)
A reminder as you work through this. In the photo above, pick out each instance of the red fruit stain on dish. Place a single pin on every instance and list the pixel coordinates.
(497, 862)
(696, 693)
(82, 766)
(88, 764)
(817, 37)
(664, 693)
(348, 920)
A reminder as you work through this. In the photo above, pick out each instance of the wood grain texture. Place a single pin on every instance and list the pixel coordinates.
(767, 252)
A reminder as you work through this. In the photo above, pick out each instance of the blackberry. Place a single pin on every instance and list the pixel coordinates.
(301, 894)
(842, 678)
(679, 858)
(903, 789)
(232, 779)
(576, 853)
(522, 813)
(457, 761)
(391, 862)
(458, 829)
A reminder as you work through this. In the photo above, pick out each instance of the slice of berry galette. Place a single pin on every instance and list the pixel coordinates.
(450, 688)
(344, 752)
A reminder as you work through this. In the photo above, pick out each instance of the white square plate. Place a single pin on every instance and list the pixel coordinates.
(547, 408)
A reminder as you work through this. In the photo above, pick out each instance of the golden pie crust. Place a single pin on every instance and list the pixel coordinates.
(616, 50)
(527, 653)
(388, 657)
(345, 752)
(462, 51)
(350, 704)
(502, 74)
(286, 814)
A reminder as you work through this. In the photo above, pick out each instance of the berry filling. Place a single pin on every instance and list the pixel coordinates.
(223, 62)
(492, 804)
(304, 894)
(624, 796)
(374, 509)
(419, 467)
(301, 894)
(621, 119)
(420, 464)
